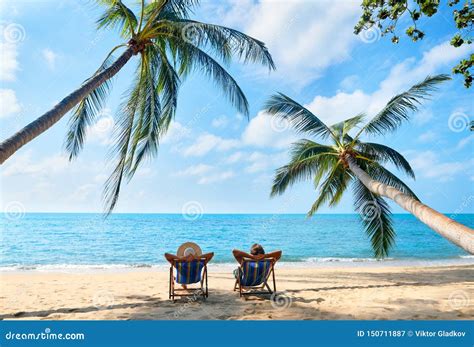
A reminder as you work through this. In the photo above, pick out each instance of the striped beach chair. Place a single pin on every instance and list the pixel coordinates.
(253, 275)
(187, 272)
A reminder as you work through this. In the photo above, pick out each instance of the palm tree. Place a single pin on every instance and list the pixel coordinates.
(169, 46)
(350, 161)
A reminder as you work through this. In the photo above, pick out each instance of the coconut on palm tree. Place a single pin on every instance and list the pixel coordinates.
(347, 160)
(169, 46)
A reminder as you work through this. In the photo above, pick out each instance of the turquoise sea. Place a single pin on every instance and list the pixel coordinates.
(52, 240)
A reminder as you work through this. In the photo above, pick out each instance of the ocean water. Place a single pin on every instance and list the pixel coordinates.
(44, 240)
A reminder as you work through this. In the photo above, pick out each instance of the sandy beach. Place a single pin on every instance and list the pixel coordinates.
(440, 292)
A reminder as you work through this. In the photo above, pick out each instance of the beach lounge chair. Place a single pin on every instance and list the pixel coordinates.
(254, 272)
(187, 271)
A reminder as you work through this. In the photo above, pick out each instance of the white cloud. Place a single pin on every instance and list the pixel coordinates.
(349, 83)
(234, 158)
(9, 59)
(260, 132)
(24, 164)
(84, 192)
(9, 104)
(206, 173)
(195, 170)
(402, 76)
(304, 37)
(176, 132)
(208, 142)
(259, 162)
(217, 177)
(423, 117)
(220, 122)
(341, 106)
(427, 164)
(427, 136)
(50, 57)
(464, 142)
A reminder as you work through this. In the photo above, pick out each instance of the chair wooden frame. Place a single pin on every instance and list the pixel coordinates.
(259, 289)
(203, 289)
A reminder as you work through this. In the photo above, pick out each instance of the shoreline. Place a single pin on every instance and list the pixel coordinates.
(324, 263)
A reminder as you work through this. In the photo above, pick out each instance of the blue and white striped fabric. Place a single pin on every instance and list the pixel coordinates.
(188, 272)
(254, 272)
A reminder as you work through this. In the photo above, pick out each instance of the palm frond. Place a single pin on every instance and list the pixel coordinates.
(192, 58)
(306, 157)
(222, 41)
(375, 216)
(177, 8)
(118, 16)
(399, 108)
(381, 174)
(332, 189)
(122, 136)
(382, 153)
(300, 118)
(85, 113)
(342, 129)
(157, 115)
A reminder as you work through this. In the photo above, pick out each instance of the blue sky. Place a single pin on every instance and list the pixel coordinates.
(214, 157)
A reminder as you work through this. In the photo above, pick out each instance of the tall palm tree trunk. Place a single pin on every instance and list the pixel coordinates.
(47, 120)
(455, 232)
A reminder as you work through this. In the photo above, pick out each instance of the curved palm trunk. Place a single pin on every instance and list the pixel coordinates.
(47, 120)
(455, 232)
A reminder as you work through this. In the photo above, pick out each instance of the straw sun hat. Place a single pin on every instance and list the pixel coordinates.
(188, 248)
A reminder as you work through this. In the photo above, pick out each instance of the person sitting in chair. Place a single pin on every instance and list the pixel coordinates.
(256, 249)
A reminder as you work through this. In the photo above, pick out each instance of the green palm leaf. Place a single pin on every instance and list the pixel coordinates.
(300, 118)
(86, 112)
(118, 15)
(399, 108)
(341, 129)
(375, 215)
(383, 153)
(332, 189)
(306, 158)
(123, 131)
(194, 59)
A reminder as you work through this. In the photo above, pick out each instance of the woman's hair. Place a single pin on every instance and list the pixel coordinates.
(257, 249)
